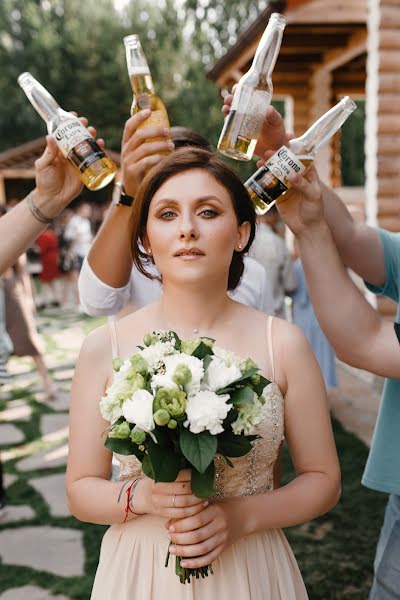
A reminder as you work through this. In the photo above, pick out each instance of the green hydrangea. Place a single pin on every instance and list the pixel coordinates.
(117, 363)
(139, 364)
(121, 431)
(250, 415)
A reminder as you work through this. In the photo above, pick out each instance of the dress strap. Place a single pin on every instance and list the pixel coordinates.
(113, 335)
(271, 348)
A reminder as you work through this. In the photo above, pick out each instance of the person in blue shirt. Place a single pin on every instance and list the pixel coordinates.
(330, 241)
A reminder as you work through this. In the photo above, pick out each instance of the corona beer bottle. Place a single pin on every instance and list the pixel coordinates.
(252, 96)
(144, 95)
(270, 182)
(78, 146)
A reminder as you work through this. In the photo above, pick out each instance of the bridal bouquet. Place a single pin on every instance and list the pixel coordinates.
(175, 404)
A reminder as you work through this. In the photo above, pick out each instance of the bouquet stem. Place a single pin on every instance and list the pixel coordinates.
(186, 574)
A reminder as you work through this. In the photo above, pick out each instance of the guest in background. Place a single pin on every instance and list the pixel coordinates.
(48, 245)
(270, 250)
(78, 233)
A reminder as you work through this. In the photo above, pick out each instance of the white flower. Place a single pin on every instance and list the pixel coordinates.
(206, 411)
(219, 375)
(139, 410)
(229, 358)
(195, 365)
(155, 353)
(110, 408)
(250, 415)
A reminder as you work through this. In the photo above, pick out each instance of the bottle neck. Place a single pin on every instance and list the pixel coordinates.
(268, 49)
(324, 128)
(141, 81)
(40, 99)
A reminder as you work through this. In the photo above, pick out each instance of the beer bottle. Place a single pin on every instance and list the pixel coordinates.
(92, 164)
(252, 96)
(144, 95)
(270, 182)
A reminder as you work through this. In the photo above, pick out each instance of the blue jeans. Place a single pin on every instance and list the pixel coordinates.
(386, 584)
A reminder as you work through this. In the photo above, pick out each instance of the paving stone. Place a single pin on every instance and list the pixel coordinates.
(17, 410)
(51, 423)
(9, 434)
(30, 592)
(8, 479)
(61, 550)
(52, 489)
(17, 513)
(45, 459)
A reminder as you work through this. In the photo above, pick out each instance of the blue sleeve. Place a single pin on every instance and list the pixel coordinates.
(391, 250)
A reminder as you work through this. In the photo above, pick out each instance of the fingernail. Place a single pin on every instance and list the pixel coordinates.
(167, 131)
(205, 503)
(172, 550)
(172, 529)
(146, 112)
(183, 564)
(171, 144)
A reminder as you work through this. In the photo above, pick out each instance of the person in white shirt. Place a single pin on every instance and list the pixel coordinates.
(98, 298)
(270, 250)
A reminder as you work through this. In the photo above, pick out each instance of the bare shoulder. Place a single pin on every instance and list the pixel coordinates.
(97, 345)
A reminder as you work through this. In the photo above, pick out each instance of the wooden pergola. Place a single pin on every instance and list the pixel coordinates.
(333, 48)
(17, 170)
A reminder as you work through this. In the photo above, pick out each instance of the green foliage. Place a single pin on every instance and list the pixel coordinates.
(199, 449)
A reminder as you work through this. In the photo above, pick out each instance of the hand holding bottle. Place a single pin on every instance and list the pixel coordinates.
(142, 148)
(301, 207)
(272, 135)
(57, 181)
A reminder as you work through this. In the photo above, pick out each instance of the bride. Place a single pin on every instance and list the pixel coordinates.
(193, 218)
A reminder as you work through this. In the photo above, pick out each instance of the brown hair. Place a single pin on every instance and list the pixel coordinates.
(179, 161)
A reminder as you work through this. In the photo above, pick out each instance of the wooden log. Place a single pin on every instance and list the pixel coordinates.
(389, 82)
(389, 103)
(389, 207)
(389, 38)
(388, 124)
(388, 144)
(390, 16)
(389, 186)
(389, 61)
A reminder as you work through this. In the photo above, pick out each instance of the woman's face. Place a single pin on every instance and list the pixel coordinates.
(192, 229)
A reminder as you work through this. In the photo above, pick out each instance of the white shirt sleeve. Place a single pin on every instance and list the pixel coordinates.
(96, 297)
(254, 289)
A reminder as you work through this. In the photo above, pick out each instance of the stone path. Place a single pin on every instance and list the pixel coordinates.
(34, 450)
(37, 534)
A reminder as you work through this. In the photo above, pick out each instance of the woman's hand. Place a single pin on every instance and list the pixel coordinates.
(57, 182)
(200, 539)
(142, 149)
(169, 500)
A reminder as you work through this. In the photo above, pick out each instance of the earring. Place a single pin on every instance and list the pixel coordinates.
(148, 250)
(240, 246)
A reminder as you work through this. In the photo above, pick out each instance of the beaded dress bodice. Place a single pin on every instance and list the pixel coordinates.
(251, 474)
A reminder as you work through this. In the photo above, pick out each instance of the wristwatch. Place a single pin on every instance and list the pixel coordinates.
(120, 198)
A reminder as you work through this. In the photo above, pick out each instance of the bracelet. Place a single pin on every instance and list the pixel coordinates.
(129, 496)
(36, 212)
(122, 199)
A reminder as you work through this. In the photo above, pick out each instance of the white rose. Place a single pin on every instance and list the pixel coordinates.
(139, 410)
(218, 375)
(206, 411)
(165, 380)
(229, 358)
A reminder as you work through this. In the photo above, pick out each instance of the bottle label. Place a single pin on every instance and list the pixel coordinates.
(271, 180)
(283, 163)
(76, 143)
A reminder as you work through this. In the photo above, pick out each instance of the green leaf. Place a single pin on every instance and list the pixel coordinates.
(202, 351)
(177, 341)
(233, 445)
(248, 373)
(124, 447)
(199, 448)
(164, 461)
(228, 462)
(242, 395)
(147, 467)
(203, 483)
(260, 386)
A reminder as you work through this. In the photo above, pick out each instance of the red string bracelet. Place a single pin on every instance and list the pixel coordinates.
(129, 491)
